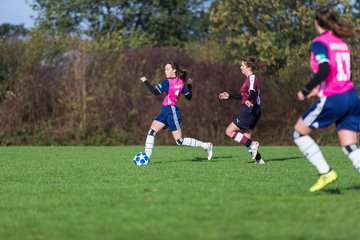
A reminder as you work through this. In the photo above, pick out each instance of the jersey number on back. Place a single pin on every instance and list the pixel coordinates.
(343, 66)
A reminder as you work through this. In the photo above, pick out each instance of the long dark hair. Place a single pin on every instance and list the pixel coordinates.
(256, 65)
(327, 19)
(179, 72)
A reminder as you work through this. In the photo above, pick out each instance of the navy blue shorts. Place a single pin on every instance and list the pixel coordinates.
(171, 117)
(248, 118)
(341, 109)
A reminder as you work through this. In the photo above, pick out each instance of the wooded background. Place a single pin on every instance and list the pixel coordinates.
(73, 79)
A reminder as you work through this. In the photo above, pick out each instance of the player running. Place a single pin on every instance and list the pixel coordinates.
(170, 116)
(241, 127)
(338, 101)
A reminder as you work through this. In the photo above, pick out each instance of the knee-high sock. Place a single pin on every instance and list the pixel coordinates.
(192, 142)
(149, 142)
(353, 153)
(240, 138)
(312, 152)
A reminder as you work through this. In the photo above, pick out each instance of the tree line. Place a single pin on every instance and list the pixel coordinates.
(74, 77)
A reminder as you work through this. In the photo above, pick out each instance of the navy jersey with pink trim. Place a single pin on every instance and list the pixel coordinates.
(172, 88)
(251, 83)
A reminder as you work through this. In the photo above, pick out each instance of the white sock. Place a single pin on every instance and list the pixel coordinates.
(312, 152)
(149, 142)
(192, 142)
(353, 153)
(355, 158)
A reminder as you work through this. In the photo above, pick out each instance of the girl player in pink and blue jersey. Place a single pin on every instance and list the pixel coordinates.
(241, 127)
(170, 116)
(338, 101)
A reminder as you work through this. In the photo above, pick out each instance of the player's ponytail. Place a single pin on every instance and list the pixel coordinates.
(182, 75)
(179, 73)
(260, 65)
(256, 65)
(327, 19)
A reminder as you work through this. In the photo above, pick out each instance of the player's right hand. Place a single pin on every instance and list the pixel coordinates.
(143, 79)
(300, 96)
(314, 92)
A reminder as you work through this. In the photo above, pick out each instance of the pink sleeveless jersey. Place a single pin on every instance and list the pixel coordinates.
(176, 86)
(339, 78)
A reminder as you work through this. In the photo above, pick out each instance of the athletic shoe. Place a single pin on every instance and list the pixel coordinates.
(254, 149)
(324, 180)
(209, 151)
(259, 161)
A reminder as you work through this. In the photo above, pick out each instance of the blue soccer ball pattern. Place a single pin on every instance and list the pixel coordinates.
(141, 159)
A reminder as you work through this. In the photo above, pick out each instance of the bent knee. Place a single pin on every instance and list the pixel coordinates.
(230, 133)
(296, 134)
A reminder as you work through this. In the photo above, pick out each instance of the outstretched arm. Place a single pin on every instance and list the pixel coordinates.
(153, 90)
(226, 95)
(236, 96)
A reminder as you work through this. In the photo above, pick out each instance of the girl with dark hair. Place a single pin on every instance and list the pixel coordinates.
(170, 115)
(241, 127)
(338, 100)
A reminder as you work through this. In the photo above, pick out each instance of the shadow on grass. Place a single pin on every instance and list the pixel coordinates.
(197, 159)
(338, 191)
(281, 159)
(357, 187)
(335, 191)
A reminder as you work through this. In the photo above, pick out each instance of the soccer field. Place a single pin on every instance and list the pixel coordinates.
(98, 193)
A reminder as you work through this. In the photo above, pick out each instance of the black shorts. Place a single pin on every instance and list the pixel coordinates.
(248, 117)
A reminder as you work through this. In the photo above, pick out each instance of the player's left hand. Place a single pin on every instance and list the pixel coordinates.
(189, 81)
(143, 79)
(248, 103)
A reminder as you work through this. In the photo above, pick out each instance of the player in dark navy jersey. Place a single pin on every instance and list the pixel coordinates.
(338, 100)
(242, 126)
(170, 116)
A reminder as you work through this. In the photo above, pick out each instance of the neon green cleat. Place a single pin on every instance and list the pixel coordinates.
(324, 180)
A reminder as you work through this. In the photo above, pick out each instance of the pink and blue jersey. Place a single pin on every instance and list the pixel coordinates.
(170, 114)
(329, 48)
(338, 100)
(172, 88)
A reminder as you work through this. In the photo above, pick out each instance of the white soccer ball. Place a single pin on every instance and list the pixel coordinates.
(141, 159)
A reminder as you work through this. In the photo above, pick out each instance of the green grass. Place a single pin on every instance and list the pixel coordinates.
(98, 193)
